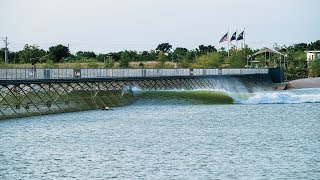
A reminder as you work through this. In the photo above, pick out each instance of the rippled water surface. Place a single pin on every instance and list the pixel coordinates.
(157, 141)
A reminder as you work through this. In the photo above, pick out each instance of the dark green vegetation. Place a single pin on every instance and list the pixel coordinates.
(40, 103)
(165, 56)
(194, 97)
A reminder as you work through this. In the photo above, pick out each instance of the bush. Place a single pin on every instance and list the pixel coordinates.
(210, 60)
(109, 63)
(50, 64)
(314, 68)
(93, 64)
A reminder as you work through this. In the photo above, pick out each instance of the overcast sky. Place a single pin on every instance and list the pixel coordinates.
(112, 25)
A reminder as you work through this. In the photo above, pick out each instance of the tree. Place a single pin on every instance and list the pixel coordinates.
(161, 59)
(2, 54)
(238, 57)
(179, 53)
(191, 56)
(297, 64)
(125, 59)
(205, 49)
(59, 52)
(164, 47)
(210, 60)
(298, 47)
(133, 56)
(314, 68)
(147, 55)
(85, 54)
(109, 62)
(30, 54)
(116, 56)
(314, 45)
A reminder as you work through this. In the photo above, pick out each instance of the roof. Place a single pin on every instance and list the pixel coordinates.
(256, 61)
(265, 49)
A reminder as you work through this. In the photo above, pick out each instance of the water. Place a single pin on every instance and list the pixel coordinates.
(151, 140)
(279, 97)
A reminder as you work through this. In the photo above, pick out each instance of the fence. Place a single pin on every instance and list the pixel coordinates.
(68, 73)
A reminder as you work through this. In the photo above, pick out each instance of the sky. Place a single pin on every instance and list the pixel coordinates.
(113, 25)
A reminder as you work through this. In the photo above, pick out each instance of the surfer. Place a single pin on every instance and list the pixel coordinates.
(106, 108)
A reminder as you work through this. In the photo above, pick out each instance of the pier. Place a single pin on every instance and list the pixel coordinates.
(30, 91)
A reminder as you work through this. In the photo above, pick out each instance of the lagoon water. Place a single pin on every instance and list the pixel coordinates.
(261, 138)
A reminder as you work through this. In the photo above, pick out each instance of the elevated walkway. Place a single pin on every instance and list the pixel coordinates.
(49, 91)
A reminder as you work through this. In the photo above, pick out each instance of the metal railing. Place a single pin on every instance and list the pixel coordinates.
(69, 73)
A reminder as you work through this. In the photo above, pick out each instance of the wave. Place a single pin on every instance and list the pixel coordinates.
(184, 97)
(224, 97)
(280, 97)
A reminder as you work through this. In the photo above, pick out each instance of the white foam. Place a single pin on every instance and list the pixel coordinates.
(281, 97)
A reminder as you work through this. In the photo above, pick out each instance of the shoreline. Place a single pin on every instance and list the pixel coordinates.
(299, 84)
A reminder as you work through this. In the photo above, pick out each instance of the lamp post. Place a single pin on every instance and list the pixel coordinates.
(249, 59)
(285, 67)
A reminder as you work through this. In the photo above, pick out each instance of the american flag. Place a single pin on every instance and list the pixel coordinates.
(224, 38)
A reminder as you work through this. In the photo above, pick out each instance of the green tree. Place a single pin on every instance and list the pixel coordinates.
(191, 56)
(314, 68)
(314, 45)
(92, 63)
(297, 65)
(125, 59)
(161, 59)
(2, 55)
(147, 55)
(164, 47)
(298, 47)
(210, 60)
(179, 53)
(57, 53)
(109, 62)
(31, 54)
(205, 49)
(238, 57)
(85, 54)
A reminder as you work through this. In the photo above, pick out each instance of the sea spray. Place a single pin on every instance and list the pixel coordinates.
(279, 97)
(228, 94)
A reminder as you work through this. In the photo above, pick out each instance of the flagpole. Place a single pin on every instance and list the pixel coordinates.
(236, 39)
(228, 43)
(244, 37)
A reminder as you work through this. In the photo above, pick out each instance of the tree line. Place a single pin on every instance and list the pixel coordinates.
(204, 56)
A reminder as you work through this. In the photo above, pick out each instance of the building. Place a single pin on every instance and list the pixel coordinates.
(311, 55)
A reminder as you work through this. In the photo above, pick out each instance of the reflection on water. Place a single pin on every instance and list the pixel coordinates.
(165, 141)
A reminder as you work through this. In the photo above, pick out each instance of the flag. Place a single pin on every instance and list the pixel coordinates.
(240, 37)
(224, 38)
(234, 36)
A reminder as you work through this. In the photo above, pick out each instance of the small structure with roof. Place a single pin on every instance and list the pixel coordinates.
(267, 61)
(312, 55)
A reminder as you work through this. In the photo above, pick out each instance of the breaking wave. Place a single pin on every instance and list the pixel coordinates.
(222, 96)
(183, 97)
(279, 97)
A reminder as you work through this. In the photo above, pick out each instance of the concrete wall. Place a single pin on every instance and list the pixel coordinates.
(276, 75)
